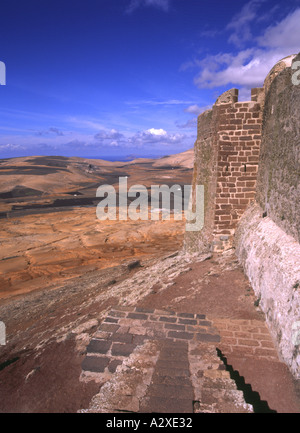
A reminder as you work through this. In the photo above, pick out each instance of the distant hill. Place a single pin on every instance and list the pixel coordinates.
(59, 174)
(184, 159)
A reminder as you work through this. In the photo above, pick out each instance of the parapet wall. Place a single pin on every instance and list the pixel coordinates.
(271, 260)
(239, 137)
(226, 163)
(247, 156)
(278, 187)
(267, 237)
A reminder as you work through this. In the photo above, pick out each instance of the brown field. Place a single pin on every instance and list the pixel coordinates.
(49, 230)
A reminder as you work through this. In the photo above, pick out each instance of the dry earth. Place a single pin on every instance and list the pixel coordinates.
(49, 229)
(49, 331)
(61, 270)
(56, 257)
(38, 251)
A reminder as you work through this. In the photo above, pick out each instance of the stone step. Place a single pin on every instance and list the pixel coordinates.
(183, 373)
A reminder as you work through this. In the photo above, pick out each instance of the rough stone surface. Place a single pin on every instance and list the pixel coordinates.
(247, 157)
(226, 161)
(49, 355)
(271, 259)
(172, 373)
(278, 186)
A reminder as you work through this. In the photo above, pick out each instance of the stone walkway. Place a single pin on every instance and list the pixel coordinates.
(160, 361)
(190, 339)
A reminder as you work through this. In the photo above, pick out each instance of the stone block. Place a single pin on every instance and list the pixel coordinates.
(122, 338)
(180, 335)
(138, 316)
(208, 338)
(95, 364)
(119, 349)
(187, 321)
(98, 346)
(168, 319)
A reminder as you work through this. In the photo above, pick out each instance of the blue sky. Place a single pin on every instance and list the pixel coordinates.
(116, 79)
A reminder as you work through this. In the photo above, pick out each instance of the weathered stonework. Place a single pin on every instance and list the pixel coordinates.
(271, 260)
(267, 237)
(226, 163)
(247, 156)
(278, 188)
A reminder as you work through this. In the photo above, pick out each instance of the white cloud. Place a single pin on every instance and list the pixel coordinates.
(9, 146)
(114, 144)
(108, 135)
(50, 131)
(157, 137)
(240, 23)
(249, 67)
(142, 139)
(190, 124)
(195, 109)
(154, 131)
(284, 34)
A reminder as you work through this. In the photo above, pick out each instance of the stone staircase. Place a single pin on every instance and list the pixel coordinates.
(159, 361)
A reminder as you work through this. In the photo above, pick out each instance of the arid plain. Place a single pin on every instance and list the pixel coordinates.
(62, 270)
(49, 228)
(57, 259)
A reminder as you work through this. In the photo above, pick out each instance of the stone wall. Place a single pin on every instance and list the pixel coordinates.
(226, 163)
(271, 260)
(267, 237)
(239, 136)
(205, 160)
(278, 187)
(247, 156)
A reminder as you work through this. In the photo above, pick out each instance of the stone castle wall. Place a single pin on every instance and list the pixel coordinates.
(238, 141)
(278, 187)
(247, 156)
(226, 163)
(267, 237)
